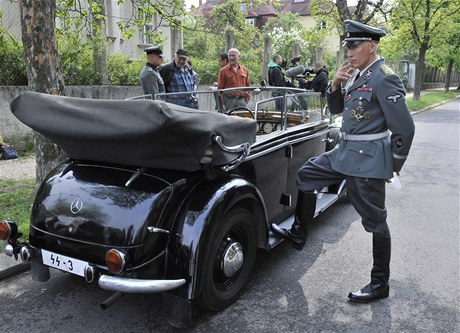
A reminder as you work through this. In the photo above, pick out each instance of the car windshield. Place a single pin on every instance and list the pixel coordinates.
(273, 108)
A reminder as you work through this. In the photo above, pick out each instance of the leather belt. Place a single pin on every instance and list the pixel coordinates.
(364, 137)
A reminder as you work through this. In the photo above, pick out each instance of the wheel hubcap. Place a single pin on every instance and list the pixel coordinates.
(233, 258)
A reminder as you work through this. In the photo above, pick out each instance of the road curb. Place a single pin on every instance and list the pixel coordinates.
(13, 270)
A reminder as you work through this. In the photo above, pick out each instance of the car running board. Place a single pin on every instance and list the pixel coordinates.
(323, 201)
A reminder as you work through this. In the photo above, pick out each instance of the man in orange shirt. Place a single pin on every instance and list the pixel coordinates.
(231, 76)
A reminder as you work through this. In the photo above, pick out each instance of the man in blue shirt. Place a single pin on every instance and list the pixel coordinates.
(178, 77)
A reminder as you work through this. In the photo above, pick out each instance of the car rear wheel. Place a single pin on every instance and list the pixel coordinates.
(229, 259)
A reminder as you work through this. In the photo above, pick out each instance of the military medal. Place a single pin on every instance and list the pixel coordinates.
(359, 114)
(347, 98)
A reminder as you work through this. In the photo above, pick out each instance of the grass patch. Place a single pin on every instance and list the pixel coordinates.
(16, 197)
(430, 99)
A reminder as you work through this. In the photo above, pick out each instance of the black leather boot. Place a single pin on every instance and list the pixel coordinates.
(304, 213)
(378, 287)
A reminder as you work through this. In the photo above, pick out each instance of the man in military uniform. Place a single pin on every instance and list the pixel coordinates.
(377, 132)
(151, 80)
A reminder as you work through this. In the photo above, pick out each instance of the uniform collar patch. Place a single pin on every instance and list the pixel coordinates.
(368, 74)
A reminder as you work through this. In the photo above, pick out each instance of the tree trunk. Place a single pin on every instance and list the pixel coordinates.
(267, 52)
(229, 39)
(100, 48)
(43, 70)
(448, 75)
(419, 71)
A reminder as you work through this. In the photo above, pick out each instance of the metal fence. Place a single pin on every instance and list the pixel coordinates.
(12, 62)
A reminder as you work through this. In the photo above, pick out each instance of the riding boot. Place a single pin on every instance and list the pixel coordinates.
(378, 287)
(304, 213)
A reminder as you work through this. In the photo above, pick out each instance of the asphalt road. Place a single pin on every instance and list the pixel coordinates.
(292, 291)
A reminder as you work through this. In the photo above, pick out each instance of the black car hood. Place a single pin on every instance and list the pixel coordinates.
(91, 203)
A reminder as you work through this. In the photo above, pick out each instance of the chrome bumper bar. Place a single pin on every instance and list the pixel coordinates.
(127, 285)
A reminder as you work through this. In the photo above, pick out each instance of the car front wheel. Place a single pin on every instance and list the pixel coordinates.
(229, 259)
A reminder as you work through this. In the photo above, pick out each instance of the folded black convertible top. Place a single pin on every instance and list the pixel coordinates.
(142, 133)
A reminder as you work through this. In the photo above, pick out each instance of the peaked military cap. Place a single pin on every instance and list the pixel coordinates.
(154, 50)
(356, 33)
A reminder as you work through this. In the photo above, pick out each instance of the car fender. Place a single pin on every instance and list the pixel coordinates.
(203, 208)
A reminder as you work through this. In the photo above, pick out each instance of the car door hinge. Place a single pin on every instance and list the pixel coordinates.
(286, 199)
(289, 151)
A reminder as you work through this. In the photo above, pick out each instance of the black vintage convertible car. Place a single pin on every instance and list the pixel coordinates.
(160, 198)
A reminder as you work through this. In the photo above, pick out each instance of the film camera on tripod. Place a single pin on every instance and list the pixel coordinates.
(299, 75)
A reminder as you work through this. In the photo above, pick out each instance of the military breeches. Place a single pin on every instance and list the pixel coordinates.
(366, 194)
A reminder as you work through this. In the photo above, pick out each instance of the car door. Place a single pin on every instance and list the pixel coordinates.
(305, 137)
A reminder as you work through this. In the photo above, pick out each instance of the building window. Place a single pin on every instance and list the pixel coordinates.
(251, 21)
(322, 25)
(297, 1)
(145, 34)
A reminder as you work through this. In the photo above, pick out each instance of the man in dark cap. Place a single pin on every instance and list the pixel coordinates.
(377, 132)
(178, 76)
(151, 80)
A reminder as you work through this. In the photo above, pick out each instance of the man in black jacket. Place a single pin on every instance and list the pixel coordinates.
(320, 81)
(276, 78)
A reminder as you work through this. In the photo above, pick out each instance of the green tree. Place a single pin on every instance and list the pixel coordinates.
(372, 12)
(335, 12)
(204, 40)
(286, 31)
(421, 24)
(44, 71)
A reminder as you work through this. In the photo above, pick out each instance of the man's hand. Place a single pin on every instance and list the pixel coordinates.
(343, 74)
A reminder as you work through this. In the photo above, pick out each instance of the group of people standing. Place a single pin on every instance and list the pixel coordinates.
(178, 76)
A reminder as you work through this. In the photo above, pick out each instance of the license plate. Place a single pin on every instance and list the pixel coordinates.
(64, 263)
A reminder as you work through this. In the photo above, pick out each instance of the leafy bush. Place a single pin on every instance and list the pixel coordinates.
(76, 59)
(123, 71)
(12, 61)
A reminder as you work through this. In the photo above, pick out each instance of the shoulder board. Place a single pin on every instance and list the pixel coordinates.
(386, 70)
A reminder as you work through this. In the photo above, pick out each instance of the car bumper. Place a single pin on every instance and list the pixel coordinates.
(127, 285)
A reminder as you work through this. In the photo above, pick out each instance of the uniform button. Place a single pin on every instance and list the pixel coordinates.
(361, 152)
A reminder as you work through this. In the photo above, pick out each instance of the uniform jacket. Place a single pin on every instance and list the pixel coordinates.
(151, 80)
(374, 103)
